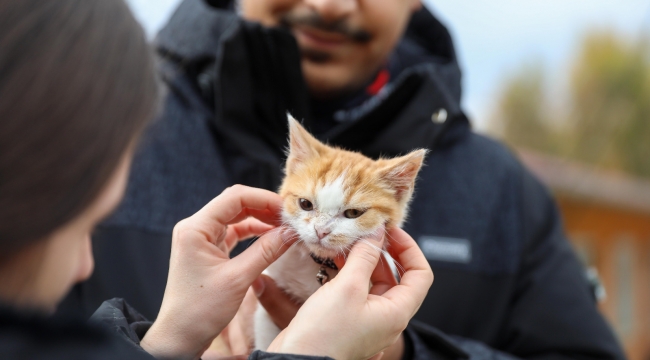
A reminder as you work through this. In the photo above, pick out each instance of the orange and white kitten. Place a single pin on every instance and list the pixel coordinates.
(332, 198)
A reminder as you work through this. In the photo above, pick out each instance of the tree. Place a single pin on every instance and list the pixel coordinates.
(523, 111)
(610, 104)
(606, 119)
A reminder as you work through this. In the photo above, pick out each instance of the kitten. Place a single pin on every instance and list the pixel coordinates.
(332, 198)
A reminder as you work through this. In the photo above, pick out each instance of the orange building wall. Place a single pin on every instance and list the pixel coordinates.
(603, 233)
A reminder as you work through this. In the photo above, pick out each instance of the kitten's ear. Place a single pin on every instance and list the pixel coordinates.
(302, 146)
(400, 173)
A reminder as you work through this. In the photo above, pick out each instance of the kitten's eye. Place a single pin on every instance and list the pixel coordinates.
(306, 205)
(352, 213)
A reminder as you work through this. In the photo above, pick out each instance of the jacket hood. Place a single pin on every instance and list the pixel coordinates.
(249, 76)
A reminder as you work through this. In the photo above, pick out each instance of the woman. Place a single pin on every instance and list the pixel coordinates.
(77, 86)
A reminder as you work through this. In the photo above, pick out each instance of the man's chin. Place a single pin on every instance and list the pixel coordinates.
(326, 82)
(323, 87)
(316, 57)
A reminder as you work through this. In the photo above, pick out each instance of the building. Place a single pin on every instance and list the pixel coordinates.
(607, 218)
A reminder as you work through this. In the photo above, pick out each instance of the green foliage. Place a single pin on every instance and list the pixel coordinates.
(523, 111)
(606, 119)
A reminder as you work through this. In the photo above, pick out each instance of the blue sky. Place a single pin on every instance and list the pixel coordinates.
(495, 37)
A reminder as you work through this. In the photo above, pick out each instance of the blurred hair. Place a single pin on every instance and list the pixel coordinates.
(77, 86)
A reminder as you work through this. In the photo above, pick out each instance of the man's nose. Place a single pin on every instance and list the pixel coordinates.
(331, 10)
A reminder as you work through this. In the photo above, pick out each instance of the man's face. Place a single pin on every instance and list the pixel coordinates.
(343, 42)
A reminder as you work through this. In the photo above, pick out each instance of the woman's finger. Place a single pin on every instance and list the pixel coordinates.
(406, 251)
(240, 337)
(237, 203)
(262, 253)
(417, 278)
(235, 199)
(244, 230)
(363, 259)
(264, 215)
(339, 260)
(382, 277)
(233, 205)
(280, 306)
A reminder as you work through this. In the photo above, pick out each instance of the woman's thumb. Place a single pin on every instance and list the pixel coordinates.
(363, 257)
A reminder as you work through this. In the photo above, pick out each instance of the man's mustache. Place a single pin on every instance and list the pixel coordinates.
(314, 20)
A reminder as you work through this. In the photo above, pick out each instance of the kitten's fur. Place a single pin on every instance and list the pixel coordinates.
(332, 180)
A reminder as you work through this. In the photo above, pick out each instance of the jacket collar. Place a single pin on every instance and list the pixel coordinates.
(418, 111)
(196, 28)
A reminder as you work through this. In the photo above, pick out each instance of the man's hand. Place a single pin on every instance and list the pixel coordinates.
(205, 287)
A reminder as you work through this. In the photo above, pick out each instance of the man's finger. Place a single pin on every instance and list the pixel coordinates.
(280, 306)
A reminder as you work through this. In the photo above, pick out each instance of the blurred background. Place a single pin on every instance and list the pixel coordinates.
(567, 85)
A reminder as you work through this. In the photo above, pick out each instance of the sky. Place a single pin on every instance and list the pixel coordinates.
(495, 37)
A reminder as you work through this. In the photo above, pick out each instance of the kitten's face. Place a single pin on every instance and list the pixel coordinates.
(334, 197)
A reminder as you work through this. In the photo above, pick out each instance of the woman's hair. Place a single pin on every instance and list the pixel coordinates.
(77, 85)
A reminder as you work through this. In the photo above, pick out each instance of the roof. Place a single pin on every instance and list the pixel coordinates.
(587, 182)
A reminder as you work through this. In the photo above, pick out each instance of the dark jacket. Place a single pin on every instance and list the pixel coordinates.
(114, 332)
(33, 336)
(507, 282)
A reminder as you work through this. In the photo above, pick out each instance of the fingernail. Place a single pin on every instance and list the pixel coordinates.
(258, 286)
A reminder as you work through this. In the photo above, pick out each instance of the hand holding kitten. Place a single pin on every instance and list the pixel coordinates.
(345, 319)
(205, 287)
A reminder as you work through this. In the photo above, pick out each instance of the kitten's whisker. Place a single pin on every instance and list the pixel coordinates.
(400, 269)
(373, 246)
(381, 251)
(341, 249)
(347, 248)
(389, 238)
(283, 243)
(292, 237)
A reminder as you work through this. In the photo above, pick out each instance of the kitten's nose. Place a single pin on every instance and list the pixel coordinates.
(321, 233)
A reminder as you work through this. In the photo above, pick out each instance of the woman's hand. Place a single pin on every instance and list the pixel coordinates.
(345, 319)
(282, 308)
(205, 287)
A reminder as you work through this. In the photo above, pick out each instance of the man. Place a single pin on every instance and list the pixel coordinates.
(380, 77)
